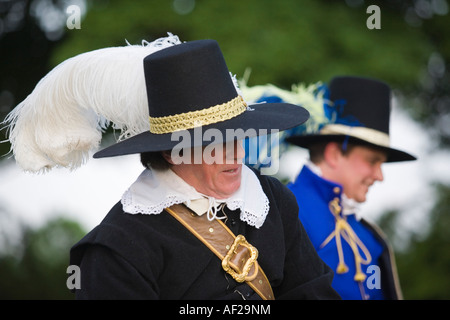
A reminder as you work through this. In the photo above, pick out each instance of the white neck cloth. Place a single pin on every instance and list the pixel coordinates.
(154, 191)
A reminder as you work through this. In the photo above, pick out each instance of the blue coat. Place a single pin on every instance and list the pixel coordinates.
(378, 280)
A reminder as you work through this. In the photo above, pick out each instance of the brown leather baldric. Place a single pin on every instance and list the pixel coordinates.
(237, 255)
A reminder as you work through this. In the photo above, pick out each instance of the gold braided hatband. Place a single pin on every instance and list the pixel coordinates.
(193, 119)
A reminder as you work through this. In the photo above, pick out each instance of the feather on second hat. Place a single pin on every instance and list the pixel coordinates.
(259, 152)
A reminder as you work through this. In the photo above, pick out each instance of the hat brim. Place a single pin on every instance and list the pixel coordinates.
(258, 120)
(393, 155)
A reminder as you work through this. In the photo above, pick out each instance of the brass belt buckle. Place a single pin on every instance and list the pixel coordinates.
(232, 270)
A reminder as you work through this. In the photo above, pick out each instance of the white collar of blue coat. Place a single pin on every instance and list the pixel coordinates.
(349, 206)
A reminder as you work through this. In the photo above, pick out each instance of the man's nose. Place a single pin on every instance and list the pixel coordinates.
(235, 151)
(378, 174)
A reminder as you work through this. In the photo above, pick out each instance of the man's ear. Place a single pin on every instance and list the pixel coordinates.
(332, 153)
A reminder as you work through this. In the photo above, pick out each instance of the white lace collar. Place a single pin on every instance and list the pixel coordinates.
(154, 191)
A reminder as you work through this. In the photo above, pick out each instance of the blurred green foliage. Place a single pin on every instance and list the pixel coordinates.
(283, 42)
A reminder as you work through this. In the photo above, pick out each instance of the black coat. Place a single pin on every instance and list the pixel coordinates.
(141, 256)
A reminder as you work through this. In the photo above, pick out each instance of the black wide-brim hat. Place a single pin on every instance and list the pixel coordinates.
(362, 112)
(190, 91)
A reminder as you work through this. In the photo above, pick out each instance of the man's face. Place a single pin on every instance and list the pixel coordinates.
(357, 171)
(219, 179)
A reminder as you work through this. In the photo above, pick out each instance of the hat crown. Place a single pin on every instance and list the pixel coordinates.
(189, 87)
(367, 101)
(187, 77)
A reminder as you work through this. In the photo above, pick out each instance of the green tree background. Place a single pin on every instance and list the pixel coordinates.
(282, 42)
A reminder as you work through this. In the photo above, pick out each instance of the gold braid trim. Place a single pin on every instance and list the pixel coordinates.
(193, 119)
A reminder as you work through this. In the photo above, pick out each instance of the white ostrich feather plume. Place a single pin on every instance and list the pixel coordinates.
(62, 120)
